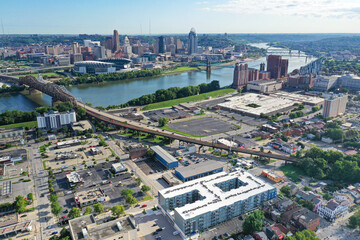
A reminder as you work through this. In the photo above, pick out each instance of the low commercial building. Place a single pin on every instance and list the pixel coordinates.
(95, 151)
(204, 203)
(74, 179)
(254, 104)
(137, 152)
(118, 167)
(332, 209)
(264, 86)
(12, 133)
(195, 171)
(10, 225)
(301, 81)
(324, 83)
(86, 227)
(299, 98)
(335, 105)
(94, 67)
(273, 176)
(81, 126)
(186, 150)
(55, 120)
(170, 179)
(66, 155)
(164, 157)
(90, 197)
(69, 143)
(6, 188)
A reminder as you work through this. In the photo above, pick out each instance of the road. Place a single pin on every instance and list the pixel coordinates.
(40, 178)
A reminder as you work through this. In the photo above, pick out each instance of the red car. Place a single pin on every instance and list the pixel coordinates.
(144, 206)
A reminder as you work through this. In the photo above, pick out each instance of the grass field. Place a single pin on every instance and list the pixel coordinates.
(199, 97)
(49, 74)
(292, 172)
(181, 69)
(31, 124)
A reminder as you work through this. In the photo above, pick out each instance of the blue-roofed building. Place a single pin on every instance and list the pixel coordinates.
(164, 157)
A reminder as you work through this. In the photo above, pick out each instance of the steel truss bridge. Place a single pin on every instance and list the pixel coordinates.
(59, 93)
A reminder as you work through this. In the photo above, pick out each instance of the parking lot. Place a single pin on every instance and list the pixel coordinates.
(97, 177)
(152, 221)
(203, 126)
(253, 121)
(150, 166)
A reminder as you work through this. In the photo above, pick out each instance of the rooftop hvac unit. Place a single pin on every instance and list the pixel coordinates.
(118, 224)
(85, 233)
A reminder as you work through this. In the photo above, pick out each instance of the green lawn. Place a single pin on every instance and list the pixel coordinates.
(179, 132)
(292, 172)
(182, 69)
(199, 97)
(31, 124)
(49, 74)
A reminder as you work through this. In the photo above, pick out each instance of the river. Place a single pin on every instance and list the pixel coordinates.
(118, 92)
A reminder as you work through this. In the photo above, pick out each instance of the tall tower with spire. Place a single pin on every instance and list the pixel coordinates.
(192, 42)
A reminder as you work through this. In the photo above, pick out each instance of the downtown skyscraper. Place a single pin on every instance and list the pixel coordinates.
(192, 42)
(116, 41)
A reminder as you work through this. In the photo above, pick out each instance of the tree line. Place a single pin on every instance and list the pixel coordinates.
(169, 94)
(16, 116)
(333, 165)
(88, 78)
(13, 88)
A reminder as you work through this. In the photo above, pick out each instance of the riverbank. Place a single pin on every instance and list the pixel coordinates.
(203, 96)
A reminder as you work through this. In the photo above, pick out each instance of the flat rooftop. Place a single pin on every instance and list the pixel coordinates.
(101, 231)
(81, 125)
(9, 219)
(68, 142)
(213, 197)
(264, 104)
(196, 169)
(299, 97)
(163, 154)
(90, 195)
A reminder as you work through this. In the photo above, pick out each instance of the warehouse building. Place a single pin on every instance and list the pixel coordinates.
(204, 203)
(90, 197)
(195, 171)
(164, 157)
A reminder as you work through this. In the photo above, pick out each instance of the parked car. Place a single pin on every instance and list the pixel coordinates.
(144, 206)
(175, 233)
(53, 233)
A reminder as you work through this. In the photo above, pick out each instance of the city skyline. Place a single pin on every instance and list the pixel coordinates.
(133, 18)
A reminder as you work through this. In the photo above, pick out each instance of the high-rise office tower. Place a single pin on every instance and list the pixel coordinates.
(76, 48)
(274, 66)
(241, 75)
(179, 44)
(284, 67)
(127, 47)
(108, 44)
(192, 42)
(262, 67)
(160, 45)
(116, 41)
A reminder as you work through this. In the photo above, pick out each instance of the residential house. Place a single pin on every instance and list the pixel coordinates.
(260, 236)
(299, 219)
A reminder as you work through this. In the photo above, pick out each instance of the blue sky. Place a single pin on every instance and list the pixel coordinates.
(178, 16)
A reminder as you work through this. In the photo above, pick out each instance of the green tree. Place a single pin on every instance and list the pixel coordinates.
(102, 143)
(117, 210)
(286, 190)
(131, 199)
(127, 192)
(304, 235)
(163, 121)
(307, 188)
(55, 208)
(74, 213)
(30, 197)
(253, 222)
(138, 181)
(53, 198)
(88, 210)
(98, 208)
(20, 204)
(145, 188)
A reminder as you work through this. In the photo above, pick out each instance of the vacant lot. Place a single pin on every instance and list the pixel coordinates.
(292, 172)
(202, 126)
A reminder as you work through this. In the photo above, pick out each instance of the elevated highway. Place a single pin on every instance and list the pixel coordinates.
(59, 93)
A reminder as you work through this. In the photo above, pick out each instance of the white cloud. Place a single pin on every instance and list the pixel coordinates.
(202, 3)
(307, 8)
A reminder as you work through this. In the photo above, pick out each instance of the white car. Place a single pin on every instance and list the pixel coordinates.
(175, 233)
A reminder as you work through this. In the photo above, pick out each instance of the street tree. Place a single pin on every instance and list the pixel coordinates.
(117, 210)
(74, 213)
(253, 222)
(145, 188)
(98, 208)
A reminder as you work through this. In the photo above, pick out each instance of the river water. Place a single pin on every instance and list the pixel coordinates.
(118, 92)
